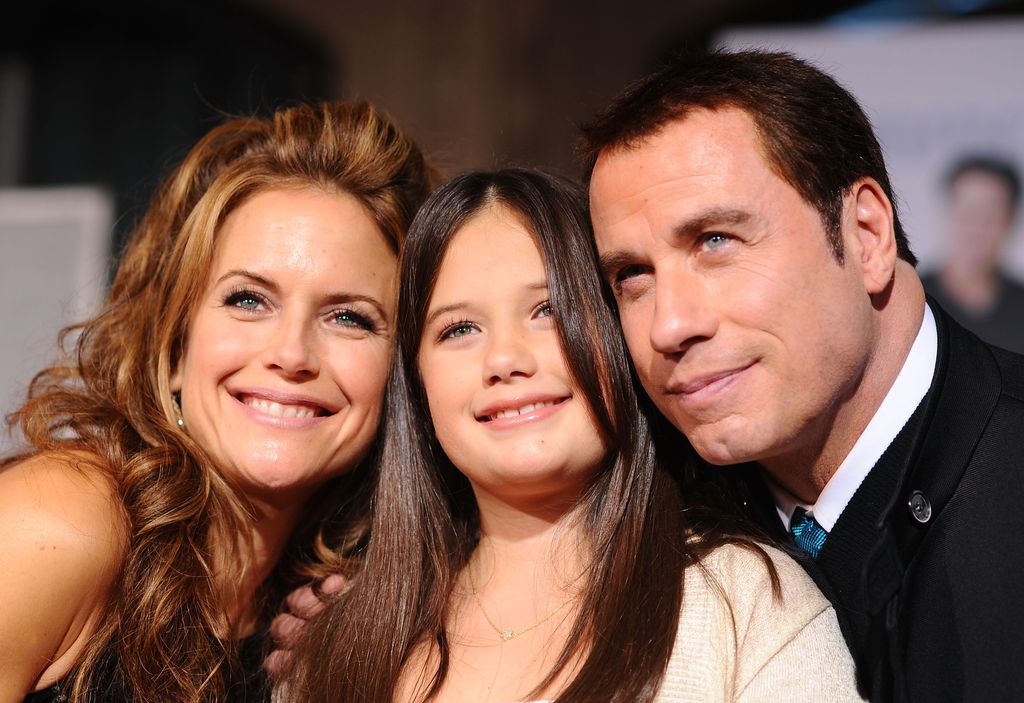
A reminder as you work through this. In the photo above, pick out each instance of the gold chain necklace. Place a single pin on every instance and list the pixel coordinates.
(507, 635)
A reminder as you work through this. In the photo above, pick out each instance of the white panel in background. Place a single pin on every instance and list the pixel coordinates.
(933, 92)
(54, 256)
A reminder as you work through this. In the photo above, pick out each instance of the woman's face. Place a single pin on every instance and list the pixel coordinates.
(287, 354)
(503, 405)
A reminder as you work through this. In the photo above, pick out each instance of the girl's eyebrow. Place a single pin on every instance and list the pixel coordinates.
(542, 284)
(444, 309)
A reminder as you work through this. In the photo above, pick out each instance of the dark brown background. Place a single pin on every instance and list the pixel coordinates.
(115, 92)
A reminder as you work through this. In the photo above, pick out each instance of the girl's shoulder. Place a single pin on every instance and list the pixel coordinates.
(753, 624)
(63, 538)
(758, 584)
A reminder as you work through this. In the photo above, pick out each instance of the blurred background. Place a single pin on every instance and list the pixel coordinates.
(100, 99)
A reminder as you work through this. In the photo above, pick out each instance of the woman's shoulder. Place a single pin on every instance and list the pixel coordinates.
(66, 497)
(63, 540)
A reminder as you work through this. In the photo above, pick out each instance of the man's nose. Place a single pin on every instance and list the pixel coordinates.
(683, 314)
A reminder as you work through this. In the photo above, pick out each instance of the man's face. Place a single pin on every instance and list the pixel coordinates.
(980, 220)
(745, 330)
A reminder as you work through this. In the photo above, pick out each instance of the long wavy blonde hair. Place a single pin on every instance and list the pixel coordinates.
(111, 399)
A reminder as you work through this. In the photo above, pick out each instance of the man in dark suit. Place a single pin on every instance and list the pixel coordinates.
(767, 292)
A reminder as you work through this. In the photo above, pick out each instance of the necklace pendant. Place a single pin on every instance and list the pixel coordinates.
(507, 635)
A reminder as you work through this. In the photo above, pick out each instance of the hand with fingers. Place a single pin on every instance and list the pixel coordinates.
(301, 605)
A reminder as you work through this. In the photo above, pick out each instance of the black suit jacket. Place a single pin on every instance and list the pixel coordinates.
(926, 564)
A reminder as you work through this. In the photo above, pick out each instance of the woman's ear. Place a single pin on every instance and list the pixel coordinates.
(174, 382)
(872, 239)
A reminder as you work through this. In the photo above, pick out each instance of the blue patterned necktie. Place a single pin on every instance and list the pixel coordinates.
(808, 534)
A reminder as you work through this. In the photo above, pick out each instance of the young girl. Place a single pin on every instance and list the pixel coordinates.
(527, 543)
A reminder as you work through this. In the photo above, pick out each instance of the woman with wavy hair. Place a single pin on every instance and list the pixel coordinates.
(217, 410)
(527, 542)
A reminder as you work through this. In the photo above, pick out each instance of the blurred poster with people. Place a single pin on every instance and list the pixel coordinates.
(983, 195)
(947, 101)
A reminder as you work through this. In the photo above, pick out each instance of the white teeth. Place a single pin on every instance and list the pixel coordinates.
(270, 407)
(521, 411)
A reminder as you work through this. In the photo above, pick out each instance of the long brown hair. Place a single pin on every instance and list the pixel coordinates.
(112, 400)
(643, 529)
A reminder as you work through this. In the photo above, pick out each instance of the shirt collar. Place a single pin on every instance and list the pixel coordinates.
(907, 391)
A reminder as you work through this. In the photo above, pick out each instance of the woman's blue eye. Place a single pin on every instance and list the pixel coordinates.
(350, 318)
(245, 300)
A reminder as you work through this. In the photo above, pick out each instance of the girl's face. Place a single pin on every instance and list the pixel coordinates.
(286, 357)
(504, 407)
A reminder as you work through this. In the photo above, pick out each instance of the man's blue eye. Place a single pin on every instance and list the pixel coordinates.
(715, 240)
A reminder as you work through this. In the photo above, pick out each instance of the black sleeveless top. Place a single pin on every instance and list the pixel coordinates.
(251, 686)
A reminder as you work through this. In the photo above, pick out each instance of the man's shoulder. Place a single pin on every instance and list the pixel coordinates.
(976, 385)
(1011, 372)
(972, 356)
(1009, 366)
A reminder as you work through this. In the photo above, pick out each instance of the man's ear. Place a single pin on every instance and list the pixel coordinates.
(872, 244)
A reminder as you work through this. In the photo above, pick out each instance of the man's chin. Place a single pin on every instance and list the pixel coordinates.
(723, 458)
(723, 449)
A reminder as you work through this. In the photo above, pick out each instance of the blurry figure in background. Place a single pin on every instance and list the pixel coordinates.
(983, 196)
(203, 449)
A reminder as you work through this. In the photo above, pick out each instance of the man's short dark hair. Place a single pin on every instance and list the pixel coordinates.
(814, 134)
(994, 166)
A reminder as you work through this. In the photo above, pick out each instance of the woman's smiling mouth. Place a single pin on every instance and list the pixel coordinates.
(279, 406)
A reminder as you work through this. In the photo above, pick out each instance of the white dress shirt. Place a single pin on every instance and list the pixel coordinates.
(906, 393)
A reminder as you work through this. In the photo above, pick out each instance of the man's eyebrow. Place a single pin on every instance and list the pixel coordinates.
(613, 261)
(709, 219)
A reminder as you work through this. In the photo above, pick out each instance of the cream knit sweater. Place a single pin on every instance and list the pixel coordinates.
(737, 643)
